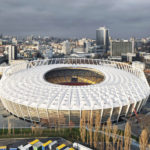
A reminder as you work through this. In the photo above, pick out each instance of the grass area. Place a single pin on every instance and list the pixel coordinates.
(71, 134)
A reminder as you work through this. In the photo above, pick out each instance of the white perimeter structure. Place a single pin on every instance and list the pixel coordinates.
(25, 93)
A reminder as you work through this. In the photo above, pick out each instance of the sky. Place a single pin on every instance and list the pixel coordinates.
(75, 18)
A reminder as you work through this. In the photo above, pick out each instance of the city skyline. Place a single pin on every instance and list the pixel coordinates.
(75, 19)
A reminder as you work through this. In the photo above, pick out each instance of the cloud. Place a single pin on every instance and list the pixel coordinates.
(68, 18)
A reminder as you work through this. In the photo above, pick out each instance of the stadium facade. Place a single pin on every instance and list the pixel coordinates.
(59, 90)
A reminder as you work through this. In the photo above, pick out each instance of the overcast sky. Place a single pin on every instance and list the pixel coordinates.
(75, 18)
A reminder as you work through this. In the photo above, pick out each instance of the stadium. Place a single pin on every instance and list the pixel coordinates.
(59, 90)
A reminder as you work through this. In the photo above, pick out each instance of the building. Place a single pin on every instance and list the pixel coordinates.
(87, 46)
(119, 47)
(61, 90)
(48, 53)
(128, 57)
(138, 64)
(12, 52)
(14, 41)
(83, 55)
(66, 47)
(29, 38)
(83, 45)
(81, 42)
(1, 42)
(102, 38)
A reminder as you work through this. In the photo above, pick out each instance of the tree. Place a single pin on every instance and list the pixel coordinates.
(102, 137)
(82, 127)
(121, 141)
(97, 127)
(3, 130)
(88, 125)
(143, 140)
(114, 132)
(13, 130)
(91, 130)
(108, 133)
(118, 143)
(127, 136)
(9, 127)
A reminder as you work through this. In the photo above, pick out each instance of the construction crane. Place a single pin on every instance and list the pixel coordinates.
(136, 115)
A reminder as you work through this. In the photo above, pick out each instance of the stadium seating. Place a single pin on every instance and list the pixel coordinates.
(71, 76)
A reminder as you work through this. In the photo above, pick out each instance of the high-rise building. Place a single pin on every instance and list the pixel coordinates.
(66, 47)
(12, 52)
(86, 46)
(102, 38)
(119, 47)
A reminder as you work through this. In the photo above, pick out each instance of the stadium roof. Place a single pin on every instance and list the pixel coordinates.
(120, 87)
